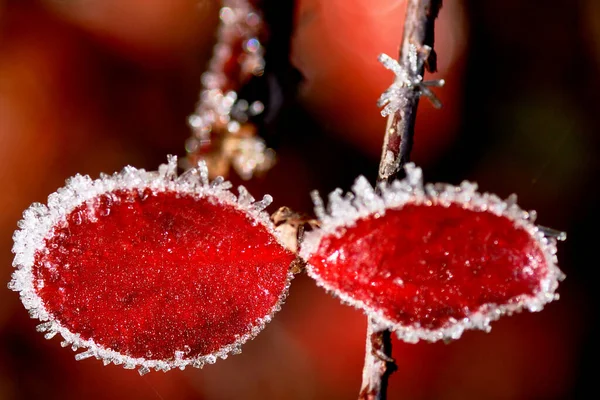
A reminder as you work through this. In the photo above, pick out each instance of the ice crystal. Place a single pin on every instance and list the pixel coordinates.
(408, 82)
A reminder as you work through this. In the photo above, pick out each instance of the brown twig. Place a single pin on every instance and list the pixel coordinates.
(418, 34)
(378, 363)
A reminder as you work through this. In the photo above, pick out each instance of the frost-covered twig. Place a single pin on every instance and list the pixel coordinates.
(401, 102)
(402, 98)
(378, 363)
(223, 134)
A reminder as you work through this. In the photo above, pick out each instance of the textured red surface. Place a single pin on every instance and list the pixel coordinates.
(159, 273)
(425, 265)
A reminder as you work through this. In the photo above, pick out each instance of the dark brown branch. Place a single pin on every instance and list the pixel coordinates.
(418, 32)
(378, 364)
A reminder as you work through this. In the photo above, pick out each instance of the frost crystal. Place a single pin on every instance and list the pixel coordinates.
(222, 134)
(150, 263)
(407, 83)
(430, 261)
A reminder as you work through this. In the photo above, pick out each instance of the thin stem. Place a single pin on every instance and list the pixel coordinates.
(378, 363)
(418, 32)
(397, 145)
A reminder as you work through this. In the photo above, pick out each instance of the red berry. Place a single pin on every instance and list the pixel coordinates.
(149, 269)
(431, 262)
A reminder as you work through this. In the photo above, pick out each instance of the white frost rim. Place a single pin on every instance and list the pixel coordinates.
(39, 220)
(364, 200)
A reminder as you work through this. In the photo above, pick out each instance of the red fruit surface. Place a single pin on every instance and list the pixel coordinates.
(159, 273)
(424, 265)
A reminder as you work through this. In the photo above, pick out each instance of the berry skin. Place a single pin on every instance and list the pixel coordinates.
(151, 270)
(429, 262)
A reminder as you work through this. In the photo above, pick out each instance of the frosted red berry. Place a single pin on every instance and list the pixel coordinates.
(150, 269)
(430, 262)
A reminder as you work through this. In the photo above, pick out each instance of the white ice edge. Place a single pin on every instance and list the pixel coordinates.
(39, 220)
(364, 200)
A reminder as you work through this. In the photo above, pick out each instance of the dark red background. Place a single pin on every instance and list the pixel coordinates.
(92, 85)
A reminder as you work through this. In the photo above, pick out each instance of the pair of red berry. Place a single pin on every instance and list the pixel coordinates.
(156, 270)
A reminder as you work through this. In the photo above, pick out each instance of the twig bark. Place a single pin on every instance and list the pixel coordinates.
(418, 32)
(378, 363)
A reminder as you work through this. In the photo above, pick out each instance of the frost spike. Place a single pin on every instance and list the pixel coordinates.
(203, 170)
(217, 182)
(84, 355)
(245, 198)
(319, 206)
(169, 170)
(262, 204)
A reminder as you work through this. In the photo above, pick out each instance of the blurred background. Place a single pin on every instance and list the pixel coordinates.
(89, 86)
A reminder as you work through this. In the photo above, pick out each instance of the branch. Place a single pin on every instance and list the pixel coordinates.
(417, 41)
(418, 35)
(378, 363)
